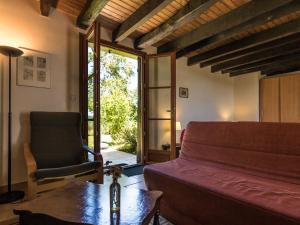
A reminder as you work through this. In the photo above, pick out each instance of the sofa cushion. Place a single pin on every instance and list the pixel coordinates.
(270, 148)
(203, 191)
(67, 170)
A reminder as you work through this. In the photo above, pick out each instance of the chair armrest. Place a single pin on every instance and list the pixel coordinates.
(97, 155)
(29, 160)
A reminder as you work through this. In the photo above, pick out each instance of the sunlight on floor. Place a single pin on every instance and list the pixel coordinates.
(117, 157)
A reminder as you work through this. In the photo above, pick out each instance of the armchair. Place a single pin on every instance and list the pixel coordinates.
(56, 154)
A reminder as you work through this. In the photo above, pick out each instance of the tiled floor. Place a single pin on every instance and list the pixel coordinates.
(117, 157)
(7, 217)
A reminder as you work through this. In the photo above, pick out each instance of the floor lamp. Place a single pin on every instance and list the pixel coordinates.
(10, 196)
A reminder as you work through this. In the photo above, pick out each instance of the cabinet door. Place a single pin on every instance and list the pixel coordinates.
(290, 98)
(269, 100)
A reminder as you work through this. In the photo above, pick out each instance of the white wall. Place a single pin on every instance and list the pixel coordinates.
(21, 25)
(246, 97)
(210, 95)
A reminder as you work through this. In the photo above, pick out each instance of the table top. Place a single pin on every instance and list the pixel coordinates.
(88, 203)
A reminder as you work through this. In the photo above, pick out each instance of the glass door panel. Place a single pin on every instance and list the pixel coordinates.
(160, 135)
(160, 71)
(160, 107)
(91, 88)
(159, 103)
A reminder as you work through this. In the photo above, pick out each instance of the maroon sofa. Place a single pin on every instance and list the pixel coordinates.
(232, 173)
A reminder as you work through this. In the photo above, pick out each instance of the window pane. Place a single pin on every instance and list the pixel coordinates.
(91, 98)
(91, 134)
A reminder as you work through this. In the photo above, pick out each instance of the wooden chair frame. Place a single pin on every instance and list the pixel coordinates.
(35, 186)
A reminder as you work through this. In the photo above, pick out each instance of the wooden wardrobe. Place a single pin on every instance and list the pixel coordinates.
(280, 99)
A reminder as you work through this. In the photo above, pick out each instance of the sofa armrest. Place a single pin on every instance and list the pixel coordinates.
(29, 160)
(97, 155)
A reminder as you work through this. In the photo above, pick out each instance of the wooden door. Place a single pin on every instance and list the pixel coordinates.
(270, 100)
(160, 108)
(89, 86)
(290, 98)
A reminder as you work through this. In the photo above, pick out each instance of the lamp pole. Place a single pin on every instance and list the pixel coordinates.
(10, 196)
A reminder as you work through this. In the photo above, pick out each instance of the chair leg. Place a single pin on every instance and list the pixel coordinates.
(31, 189)
(99, 179)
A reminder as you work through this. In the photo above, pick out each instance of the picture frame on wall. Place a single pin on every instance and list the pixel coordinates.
(34, 69)
(183, 92)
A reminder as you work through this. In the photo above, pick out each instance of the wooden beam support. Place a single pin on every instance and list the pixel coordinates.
(90, 12)
(45, 6)
(188, 13)
(253, 40)
(264, 63)
(255, 57)
(288, 60)
(234, 18)
(248, 51)
(271, 15)
(138, 18)
(282, 69)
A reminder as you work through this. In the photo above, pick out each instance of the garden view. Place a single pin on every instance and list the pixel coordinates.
(118, 100)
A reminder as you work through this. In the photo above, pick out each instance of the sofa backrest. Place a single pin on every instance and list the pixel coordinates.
(271, 148)
(56, 139)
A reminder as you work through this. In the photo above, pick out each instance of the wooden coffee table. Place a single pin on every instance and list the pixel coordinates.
(88, 203)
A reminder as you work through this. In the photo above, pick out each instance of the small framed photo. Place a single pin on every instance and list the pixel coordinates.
(34, 69)
(183, 92)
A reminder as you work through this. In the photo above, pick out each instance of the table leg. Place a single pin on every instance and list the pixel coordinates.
(156, 218)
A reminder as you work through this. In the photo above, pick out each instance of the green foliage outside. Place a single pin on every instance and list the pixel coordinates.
(118, 101)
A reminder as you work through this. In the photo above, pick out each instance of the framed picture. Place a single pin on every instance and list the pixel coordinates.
(183, 92)
(34, 69)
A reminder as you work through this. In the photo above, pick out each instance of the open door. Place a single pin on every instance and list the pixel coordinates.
(160, 108)
(90, 88)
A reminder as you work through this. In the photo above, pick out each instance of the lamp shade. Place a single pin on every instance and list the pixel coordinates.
(10, 51)
(178, 126)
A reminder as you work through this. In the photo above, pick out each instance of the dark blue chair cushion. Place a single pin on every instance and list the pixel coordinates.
(67, 170)
(56, 139)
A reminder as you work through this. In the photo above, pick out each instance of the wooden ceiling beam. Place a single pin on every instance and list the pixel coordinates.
(138, 18)
(264, 63)
(282, 69)
(260, 20)
(253, 40)
(248, 51)
(192, 10)
(288, 60)
(234, 18)
(90, 12)
(255, 57)
(45, 6)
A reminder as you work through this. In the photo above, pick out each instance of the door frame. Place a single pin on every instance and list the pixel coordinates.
(84, 86)
(142, 155)
(164, 156)
(94, 30)
(141, 61)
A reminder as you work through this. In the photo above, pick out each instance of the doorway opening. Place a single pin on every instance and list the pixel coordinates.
(119, 106)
